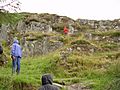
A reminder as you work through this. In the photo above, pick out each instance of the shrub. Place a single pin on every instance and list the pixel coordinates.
(80, 42)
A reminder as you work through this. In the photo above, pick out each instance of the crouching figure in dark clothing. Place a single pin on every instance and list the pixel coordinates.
(47, 83)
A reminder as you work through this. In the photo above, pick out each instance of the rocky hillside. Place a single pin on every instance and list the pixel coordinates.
(88, 50)
(102, 25)
(43, 33)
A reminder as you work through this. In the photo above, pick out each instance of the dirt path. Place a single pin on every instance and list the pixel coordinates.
(77, 87)
(83, 85)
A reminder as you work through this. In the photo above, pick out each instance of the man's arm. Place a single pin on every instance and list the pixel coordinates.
(13, 51)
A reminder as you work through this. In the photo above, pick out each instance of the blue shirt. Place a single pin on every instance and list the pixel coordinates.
(16, 49)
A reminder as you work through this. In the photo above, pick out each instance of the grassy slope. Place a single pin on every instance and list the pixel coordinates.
(32, 68)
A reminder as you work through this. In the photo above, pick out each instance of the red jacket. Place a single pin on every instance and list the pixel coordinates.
(66, 30)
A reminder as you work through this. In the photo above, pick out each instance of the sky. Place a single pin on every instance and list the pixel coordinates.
(83, 9)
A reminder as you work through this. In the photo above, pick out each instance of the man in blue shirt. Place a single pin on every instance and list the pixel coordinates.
(16, 54)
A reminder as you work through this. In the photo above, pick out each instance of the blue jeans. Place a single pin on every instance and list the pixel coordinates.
(16, 65)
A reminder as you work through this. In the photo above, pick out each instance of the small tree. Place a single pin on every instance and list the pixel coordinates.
(9, 5)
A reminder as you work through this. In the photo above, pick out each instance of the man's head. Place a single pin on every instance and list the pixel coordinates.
(47, 79)
(16, 41)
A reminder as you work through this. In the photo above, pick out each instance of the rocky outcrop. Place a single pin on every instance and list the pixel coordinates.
(31, 32)
(102, 25)
(3, 59)
(41, 33)
(108, 37)
(84, 46)
(46, 23)
(4, 29)
(39, 47)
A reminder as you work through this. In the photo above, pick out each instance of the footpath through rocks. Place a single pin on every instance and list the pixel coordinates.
(78, 87)
(82, 85)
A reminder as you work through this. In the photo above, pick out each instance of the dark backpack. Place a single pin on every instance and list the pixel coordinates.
(1, 50)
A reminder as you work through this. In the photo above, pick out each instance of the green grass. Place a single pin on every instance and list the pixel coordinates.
(92, 70)
(31, 69)
(84, 69)
(81, 42)
(11, 18)
(111, 33)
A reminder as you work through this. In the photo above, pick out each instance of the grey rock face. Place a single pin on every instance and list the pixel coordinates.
(103, 25)
(46, 24)
(4, 29)
(40, 47)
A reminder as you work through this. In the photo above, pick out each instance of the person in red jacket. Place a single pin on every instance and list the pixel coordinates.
(65, 30)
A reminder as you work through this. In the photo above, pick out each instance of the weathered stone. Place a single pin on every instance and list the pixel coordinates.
(103, 25)
(3, 59)
(45, 24)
